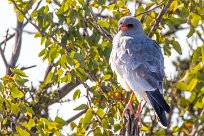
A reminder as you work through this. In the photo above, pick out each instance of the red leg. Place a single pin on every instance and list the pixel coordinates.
(139, 107)
(129, 105)
(138, 113)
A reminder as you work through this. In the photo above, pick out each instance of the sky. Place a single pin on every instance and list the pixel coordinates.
(29, 56)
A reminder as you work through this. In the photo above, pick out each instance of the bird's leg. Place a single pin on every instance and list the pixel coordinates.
(138, 113)
(129, 106)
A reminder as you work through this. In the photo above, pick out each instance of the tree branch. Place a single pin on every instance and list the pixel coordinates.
(12, 35)
(162, 3)
(2, 52)
(159, 18)
(25, 68)
(17, 124)
(17, 46)
(37, 28)
(63, 91)
(97, 29)
(76, 116)
(100, 29)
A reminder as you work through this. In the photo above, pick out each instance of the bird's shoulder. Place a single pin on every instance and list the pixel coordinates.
(139, 43)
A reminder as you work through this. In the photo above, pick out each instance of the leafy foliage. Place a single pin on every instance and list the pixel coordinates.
(76, 40)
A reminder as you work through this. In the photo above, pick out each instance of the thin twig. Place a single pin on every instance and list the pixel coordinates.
(96, 28)
(25, 68)
(36, 27)
(102, 30)
(17, 124)
(162, 3)
(159, 18)
(2, 52)
(76, 116)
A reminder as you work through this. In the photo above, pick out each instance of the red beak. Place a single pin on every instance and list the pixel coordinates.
(122, 27)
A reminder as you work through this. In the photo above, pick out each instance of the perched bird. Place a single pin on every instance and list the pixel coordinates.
(139, 65)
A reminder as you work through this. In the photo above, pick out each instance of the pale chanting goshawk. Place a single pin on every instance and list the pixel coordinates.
(139, 65)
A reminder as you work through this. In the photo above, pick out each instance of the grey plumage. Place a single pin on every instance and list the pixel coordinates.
(139, 65)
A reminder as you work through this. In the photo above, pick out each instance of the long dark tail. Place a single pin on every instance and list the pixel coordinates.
(159, 104)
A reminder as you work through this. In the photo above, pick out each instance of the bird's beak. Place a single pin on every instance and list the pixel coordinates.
(122, 27)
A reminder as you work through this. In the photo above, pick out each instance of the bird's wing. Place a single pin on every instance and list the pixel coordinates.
(140, 62)
(159, 104)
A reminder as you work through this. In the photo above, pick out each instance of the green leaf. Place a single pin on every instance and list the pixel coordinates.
(139, 10)
(76, 94)
(73, 125)
(175, 129)
(117, 127)
(22, 132)
(183, 102)
(182, 86)
(173, 6)
(81, 74)
(100, 113)
(31, 123)
(79, 57)
(192, 84)
(191, 32)
(196, 55)
(63, 61)
(106, 77)
(60, 121)
(103, 23)
(15, 108)
(81, 2)
(20, 17)
(104, 123)
(18, 72)
(177, 47)
(197, 67)
(49, 77)
(41, 53)
(88, 116)
(66, 6)
(195, 20)
(4, 121)
(202, 51)
(192, 97)
(16, 93)
(144, 128)
(38, 34)
(81, 107)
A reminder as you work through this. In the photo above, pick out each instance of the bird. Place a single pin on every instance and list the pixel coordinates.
(138, 62)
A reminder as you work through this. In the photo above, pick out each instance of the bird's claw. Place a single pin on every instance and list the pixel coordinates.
(138, 119)
(128, 110)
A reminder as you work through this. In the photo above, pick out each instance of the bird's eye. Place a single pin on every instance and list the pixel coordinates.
(130, 25)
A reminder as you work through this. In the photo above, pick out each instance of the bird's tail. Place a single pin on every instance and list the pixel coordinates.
(160, 106)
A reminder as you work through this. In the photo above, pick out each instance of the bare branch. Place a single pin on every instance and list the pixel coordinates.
(17, 124)
(172, 31)
(12, 35)
(63, 91)
(159, 18)
(57, 2)
(49, 68)
(25, 68)
(17, 46)
(37, 28)
(162, 3)
(97, 29)
(76, 116)
(2, 51)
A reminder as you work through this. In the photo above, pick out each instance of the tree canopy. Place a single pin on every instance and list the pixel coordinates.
(76, 38)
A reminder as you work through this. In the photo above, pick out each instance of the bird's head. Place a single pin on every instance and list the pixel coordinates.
(129, 25)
